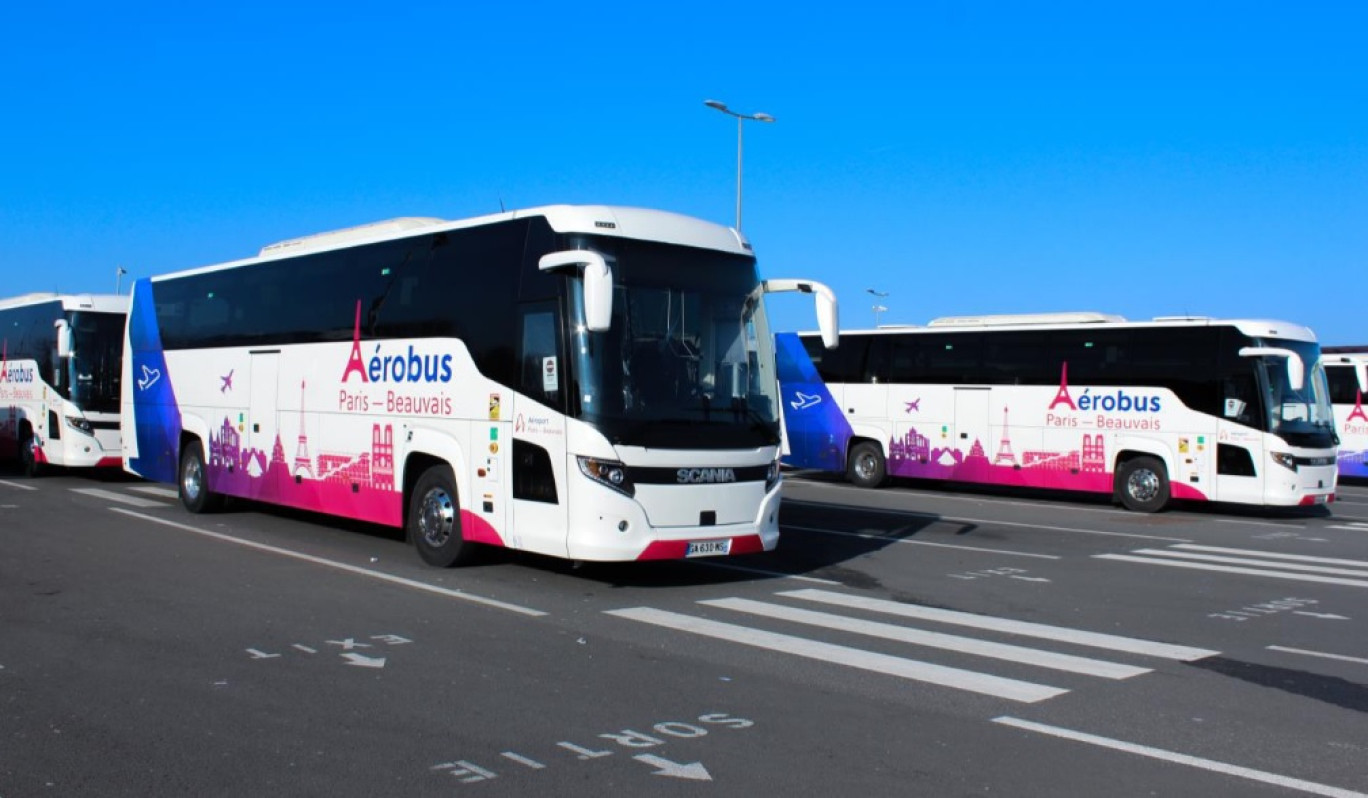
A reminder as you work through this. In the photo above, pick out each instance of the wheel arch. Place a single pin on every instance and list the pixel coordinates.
(428, 448)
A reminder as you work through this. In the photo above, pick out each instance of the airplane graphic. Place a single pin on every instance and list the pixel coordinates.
(227, 382)
(149, 377)
(803, 401)
(913, 406)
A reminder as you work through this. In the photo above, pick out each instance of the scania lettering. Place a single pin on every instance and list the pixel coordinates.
(697, 476)
(1346, 369)
(588, 382)
(1175, 408)
(60, 366)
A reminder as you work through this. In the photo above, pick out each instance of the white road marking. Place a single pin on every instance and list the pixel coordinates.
(1231, 569)
(914, 670)
(122, 498)
(1182, 759)
(1321, 654)
(1045, 632)
(341, 566)
(1272, 555)
(16, 485)
(157, 490)
(905, 541)
(1290, 566)
(964, 645)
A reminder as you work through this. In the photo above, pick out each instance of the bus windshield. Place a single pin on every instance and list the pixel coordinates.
(1301, 417)
(95, 367)
(687, 362)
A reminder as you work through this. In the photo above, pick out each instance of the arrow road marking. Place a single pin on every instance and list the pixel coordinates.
(362, 661)
(693, 770)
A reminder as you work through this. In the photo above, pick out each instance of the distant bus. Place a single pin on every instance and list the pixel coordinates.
(1177, 408)
(594, 383)
(1346, 370)
(60, 365)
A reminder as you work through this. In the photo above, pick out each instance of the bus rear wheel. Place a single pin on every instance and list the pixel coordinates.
(866, 466)
(193, 481)
(434, 520)
(1143, 485)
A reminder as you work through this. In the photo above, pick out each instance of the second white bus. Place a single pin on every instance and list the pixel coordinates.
(1346, 369)
(1183, 408)
(61, 359)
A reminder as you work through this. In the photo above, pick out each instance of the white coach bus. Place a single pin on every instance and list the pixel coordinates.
(1176, 408)
(60, 365)
(1346, 369)
(594, 383)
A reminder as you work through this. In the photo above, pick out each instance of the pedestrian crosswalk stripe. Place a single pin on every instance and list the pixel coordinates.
(1025, 628)
(1273, 555)
(122, 498)
(1289, 566)
(964, 645)
(982, 683)
(157, 490)
(1231, 569)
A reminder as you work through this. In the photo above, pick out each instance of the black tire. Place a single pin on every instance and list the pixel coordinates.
(1142, 484)
(193, 481)
(866, 466)
(434, 520)
(28, 458)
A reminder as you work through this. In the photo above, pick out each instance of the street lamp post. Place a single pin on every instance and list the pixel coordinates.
(740, 120)
(878, 308)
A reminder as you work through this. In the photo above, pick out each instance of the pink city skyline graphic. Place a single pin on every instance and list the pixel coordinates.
(1081, 468)
(352, 484)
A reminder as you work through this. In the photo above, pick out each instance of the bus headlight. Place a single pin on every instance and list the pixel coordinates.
(607, 472)
(772, 476)
(1285, 460)
(76, 422)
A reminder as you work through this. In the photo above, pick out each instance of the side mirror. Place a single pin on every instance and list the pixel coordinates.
(828, 312)
(1296, 370)
(64, 343)
(598, 284)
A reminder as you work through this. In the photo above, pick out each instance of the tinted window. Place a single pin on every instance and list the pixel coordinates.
(1344, 389)
(460, 284)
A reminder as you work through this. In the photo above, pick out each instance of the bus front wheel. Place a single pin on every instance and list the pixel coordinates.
(866, 466)
(434, 520)
(194, 481)
(1143, 485)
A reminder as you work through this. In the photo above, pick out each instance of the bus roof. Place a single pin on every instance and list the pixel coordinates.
(602, 220)
(99, 303)
(1262, 328)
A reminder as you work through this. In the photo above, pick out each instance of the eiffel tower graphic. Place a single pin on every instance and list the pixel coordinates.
(1063, 398)
(354, 363)
(302, 466)
(1004, 455)
(1357, 412)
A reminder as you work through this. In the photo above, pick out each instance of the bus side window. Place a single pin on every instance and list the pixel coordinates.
(1240, 404)
(540, 369)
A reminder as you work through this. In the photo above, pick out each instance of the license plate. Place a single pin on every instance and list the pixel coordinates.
(708, 548)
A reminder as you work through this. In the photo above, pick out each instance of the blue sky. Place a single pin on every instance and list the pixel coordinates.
(1145, 159)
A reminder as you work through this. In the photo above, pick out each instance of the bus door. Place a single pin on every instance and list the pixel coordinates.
(539, 454)
(1239, 442)
(261, 426)
(971, 420)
